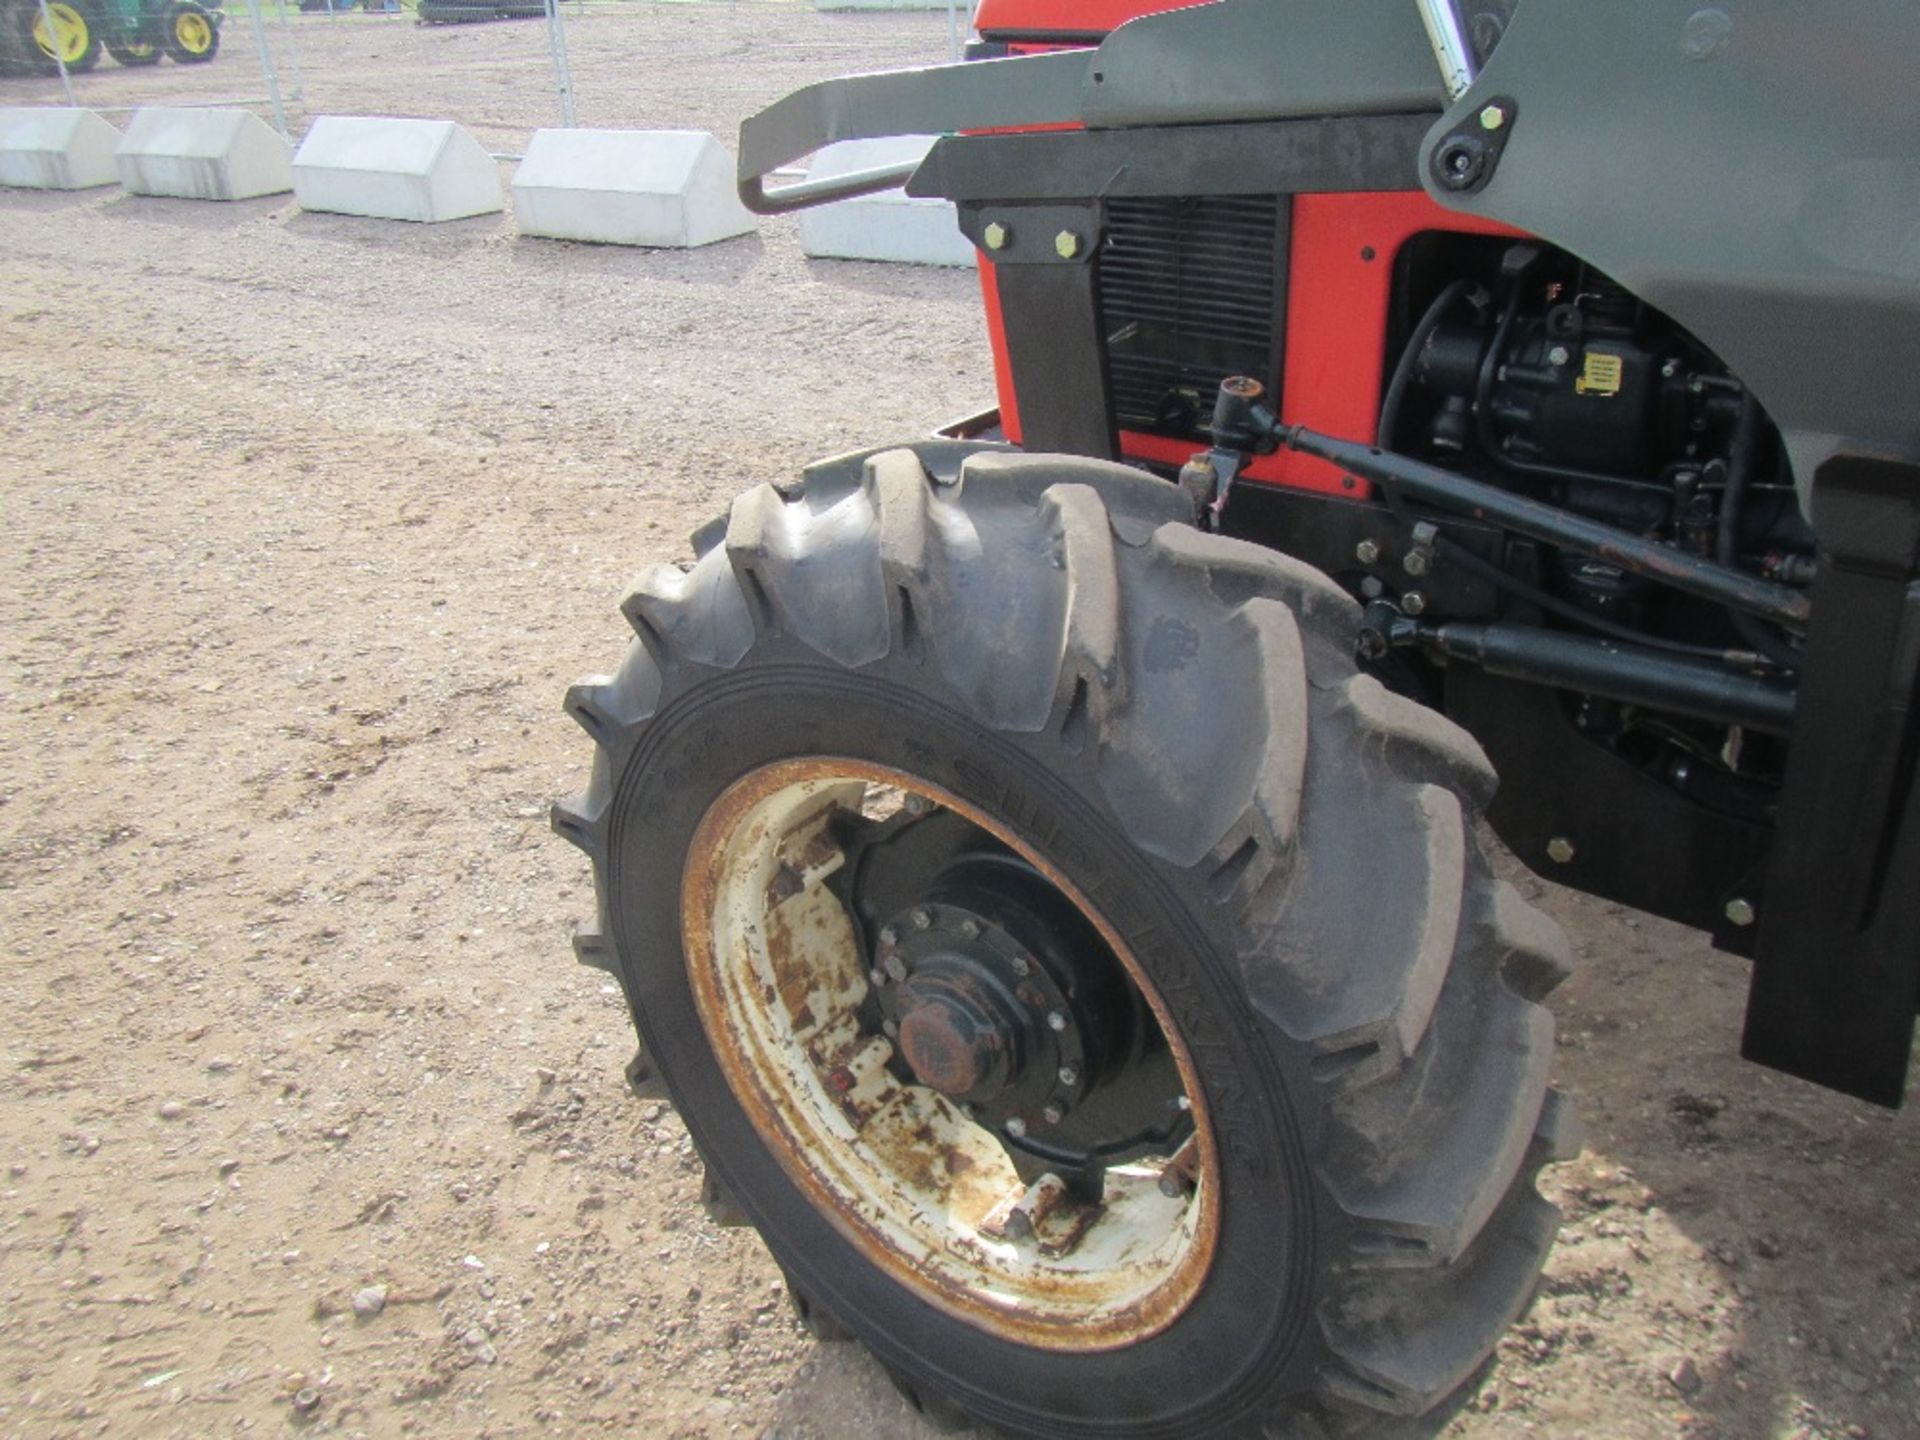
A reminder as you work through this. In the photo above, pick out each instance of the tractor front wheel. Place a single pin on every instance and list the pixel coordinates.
(189, 33)
(1088, 984)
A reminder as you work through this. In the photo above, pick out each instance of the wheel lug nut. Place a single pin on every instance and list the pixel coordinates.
(896, 967)
(889, 935)
(921, 919)
(889, 1029)
(877, 975)
(1019, 965)
(1068, 1075)
(1053, 1114)
(916, 805)
(1016, 1127)
(970, 929)
(1056, 1022)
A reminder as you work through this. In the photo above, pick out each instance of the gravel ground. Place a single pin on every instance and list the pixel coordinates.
(308, 523)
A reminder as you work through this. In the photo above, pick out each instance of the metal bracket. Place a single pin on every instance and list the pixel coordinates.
(1838, 965)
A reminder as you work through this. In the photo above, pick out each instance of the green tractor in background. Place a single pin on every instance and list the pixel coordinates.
(134, 32)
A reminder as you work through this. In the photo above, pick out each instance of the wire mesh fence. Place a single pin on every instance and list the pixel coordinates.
(501, 68)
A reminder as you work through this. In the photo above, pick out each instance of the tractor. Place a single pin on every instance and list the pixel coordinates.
(1044, 860)
(134, 32)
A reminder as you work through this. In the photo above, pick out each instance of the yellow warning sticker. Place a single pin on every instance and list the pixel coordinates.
(1599, 375)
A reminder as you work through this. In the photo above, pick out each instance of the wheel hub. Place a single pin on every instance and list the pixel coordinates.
(977, 1008)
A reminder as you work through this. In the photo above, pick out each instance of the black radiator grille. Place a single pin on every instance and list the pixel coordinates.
(1186, 299)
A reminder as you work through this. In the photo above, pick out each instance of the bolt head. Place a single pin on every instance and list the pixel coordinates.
(1066, 244)
(1366, 552)
(1560, 850)
(1740, 912)
(1415, 562)
(1414, 603)
(1493, 117)
(1559, 355)
(1056, 1022)
(889, 1028)
(1183, 1103)
(1016, 1127)
(888, 936)
(896, 967)
(1053, 1114)
(922, 919)
(916, 805)
(1067, 1075)
(970, 929)
(877, 975)
(1019, 965)
(996, 235)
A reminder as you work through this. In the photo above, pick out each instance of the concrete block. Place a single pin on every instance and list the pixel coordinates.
(425, 170)
(47, 147)
(628, 187)
(203, 155)
(887, 226)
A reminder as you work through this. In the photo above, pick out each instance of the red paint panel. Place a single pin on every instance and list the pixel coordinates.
(1339, 285)
(1066, 17)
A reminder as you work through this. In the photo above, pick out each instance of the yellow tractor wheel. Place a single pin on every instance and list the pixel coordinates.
(191, 37)
(73, 40)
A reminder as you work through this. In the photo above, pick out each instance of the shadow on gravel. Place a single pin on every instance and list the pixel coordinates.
(442, 239)
(48, 202)
(1718, 1206)
(201, 215)
(725, 263)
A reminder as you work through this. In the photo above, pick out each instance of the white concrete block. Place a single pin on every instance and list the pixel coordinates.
(888, 226)
(48, 147)
(203, 155)
(629, 187)
(425, 170)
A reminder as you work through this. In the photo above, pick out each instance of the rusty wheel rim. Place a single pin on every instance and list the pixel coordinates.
(898, 1168)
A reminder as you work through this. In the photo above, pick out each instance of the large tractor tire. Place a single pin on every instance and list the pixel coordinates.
(189, 33)
(1088, 984)
(136, 54)
(75, 37)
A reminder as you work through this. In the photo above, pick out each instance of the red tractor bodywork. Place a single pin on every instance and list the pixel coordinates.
(1338, 286)
(1339, 282)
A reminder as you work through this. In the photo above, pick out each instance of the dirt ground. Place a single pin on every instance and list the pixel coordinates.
(307, 523)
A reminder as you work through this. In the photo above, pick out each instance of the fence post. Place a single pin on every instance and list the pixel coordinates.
(293, 53)
(53, 44)
(266, 69)
(562, 77)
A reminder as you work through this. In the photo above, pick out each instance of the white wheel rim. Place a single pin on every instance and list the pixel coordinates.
(899, 1169)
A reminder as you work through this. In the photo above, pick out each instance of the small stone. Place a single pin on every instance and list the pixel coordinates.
(369, 1302)
(485, 1354)
(229, 1165)
(172, 1110)
(460, 1190)
(1685, 1377)
(306, 1399)
(16, 1171)
(475, 1337)
(545, 1076)
(220, 1065)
